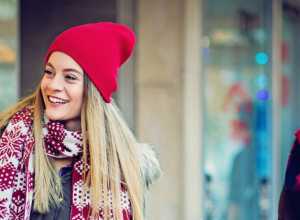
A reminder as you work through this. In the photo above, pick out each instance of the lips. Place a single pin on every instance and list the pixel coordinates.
(56, 100)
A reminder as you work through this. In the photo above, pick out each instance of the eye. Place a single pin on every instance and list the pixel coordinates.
(70, 77)
(48, 72)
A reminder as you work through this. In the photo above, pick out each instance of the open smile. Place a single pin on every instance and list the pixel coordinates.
(56, 100)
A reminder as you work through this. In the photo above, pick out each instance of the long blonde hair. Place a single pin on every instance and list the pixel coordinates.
(113, 156)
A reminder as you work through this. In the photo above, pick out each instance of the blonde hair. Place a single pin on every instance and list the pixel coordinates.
(113, 156)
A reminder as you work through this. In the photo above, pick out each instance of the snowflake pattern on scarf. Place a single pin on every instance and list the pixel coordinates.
(17, 170)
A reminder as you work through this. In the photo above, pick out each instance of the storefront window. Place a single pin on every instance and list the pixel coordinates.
(8, 52)
(237, 116)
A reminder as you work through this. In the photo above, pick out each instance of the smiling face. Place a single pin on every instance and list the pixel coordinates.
(62, 88)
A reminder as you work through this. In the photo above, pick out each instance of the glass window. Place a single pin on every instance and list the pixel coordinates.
(8, 52)
(237, 115)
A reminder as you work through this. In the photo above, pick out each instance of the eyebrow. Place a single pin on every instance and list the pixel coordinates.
(66, 69)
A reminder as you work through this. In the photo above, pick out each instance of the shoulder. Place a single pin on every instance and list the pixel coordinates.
(297, 134)
(294, 154)
(24, 115)
(16, 137)
(296, 140)
(150, 167)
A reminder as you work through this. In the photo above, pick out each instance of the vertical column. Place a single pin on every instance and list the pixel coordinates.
(192, 94)
(276, 105)
(159, 99)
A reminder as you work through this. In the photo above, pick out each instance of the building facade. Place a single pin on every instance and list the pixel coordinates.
(212, 84)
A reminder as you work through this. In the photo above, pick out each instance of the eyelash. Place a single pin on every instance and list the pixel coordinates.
(47, 72)
(68, 77)
(71, 77)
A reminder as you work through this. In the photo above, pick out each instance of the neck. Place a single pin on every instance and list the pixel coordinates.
(73, 124)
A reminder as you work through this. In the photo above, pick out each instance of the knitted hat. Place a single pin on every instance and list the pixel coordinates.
(100, 49)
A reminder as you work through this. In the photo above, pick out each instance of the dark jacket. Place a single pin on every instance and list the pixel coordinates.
(289, 203)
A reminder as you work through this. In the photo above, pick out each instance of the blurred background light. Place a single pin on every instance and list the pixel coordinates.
(261, 58)
(261, 81)
(262, 94)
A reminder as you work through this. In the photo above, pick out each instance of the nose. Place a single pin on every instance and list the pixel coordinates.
(56, 83)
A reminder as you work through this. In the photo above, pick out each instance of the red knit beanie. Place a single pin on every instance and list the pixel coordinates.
(100, 49)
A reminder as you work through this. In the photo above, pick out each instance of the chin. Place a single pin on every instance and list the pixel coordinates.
(53, 116)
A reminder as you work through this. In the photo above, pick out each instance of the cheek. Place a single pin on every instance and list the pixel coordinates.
(78, 100)
(77, 97)
(77, 104)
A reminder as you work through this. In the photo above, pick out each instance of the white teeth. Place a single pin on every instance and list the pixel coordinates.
(56, 100)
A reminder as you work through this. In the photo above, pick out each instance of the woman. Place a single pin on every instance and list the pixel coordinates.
(65, 151)
(290, 195)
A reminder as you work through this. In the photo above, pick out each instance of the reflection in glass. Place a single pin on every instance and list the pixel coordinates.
(237, 130)
(8, 51)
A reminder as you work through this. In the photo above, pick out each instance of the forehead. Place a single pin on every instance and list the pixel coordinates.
(60, 60)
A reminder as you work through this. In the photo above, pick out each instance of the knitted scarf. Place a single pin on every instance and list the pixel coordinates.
(17, 168)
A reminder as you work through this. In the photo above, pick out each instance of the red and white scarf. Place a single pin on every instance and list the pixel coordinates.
(17, 170)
